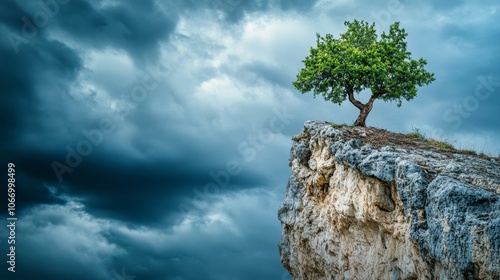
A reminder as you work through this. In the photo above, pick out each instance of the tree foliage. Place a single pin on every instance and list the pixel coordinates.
(359, 60)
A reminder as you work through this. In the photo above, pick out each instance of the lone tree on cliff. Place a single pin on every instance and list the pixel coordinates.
(358, 60)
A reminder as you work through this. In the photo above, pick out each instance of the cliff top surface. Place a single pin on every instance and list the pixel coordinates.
(379, 138)
(434, 157)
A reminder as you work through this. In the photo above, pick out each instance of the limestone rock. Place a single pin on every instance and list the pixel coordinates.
(363, 203)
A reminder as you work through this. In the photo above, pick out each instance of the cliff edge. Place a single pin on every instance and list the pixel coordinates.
(364, 203)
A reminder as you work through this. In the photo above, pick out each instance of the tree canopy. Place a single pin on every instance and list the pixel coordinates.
(359, 60)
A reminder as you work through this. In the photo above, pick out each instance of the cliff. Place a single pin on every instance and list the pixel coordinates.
(364, 203)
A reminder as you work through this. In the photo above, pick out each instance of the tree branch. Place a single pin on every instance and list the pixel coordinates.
(375, 96)
(350, 94)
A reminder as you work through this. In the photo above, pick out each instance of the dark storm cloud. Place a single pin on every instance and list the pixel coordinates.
(210, 247)
(38, 99)
(40, 61)
(136, 27)
(143, 192)
(129, 181)
(234, 10)
(21, 75)
(216, 244)
(43, 62)
(120, 187)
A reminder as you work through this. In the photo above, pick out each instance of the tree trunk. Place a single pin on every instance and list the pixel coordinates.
(363, 114)
(364, 109)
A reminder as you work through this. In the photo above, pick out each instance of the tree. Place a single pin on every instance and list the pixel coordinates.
(359, 60)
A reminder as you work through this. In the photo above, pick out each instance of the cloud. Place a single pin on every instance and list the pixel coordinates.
(135, 28)
(62, 240)
(68, 239)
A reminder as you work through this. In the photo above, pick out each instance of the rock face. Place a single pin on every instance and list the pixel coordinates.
(356, 209)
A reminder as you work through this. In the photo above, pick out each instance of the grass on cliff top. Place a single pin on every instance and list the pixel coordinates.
(416, 139)
(336, 125)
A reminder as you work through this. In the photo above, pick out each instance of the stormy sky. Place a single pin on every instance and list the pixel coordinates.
(151, 138)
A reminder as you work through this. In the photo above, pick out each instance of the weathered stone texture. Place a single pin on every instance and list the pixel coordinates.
(352, 211)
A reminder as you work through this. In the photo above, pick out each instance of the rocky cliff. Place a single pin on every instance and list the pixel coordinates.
(364, 203)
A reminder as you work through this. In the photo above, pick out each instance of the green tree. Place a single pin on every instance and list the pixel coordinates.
(359, 60)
